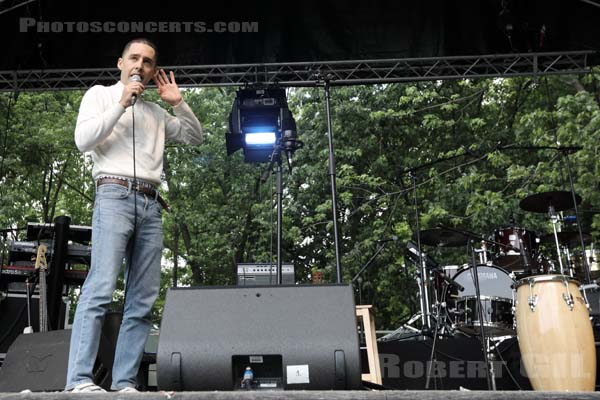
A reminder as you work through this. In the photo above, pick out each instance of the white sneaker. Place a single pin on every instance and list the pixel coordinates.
(129, 389)
(87, 388)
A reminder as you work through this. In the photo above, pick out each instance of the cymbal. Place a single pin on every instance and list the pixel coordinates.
(442, 238)
(561, 200)
(570, 238)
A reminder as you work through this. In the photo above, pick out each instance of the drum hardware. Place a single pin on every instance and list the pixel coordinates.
(551, 268)
(491, 357)
(422, 278)
(532, 299)
(423, 283)
(432, 357)
(554, 220)
(483, 253)
(551, 203)
(586, 266)
(583, 289)
(568, 297)
(570, 266)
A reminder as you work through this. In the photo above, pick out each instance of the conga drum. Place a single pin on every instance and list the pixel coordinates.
(555, 334)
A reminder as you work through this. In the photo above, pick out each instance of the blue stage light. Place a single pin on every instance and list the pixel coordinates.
(257, 121)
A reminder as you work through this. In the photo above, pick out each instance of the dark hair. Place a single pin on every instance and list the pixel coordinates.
(144, 41)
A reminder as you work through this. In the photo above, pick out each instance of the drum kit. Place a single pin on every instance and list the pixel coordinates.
(523, 284)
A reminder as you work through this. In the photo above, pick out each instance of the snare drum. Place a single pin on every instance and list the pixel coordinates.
(555, 334)
(495, 287)
(519, 248)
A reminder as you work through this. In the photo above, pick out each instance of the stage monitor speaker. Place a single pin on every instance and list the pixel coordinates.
(300, 337)
(36, 361)
(13, 317)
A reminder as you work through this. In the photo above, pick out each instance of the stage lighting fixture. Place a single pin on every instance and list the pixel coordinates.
(256, 123)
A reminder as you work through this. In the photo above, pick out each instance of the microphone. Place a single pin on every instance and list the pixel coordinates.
(413, 254)
(449, 281)
(134, 78)
(456, 285)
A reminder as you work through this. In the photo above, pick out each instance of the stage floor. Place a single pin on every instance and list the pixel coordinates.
(313, 395)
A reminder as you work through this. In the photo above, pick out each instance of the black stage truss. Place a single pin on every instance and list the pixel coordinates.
(337, 73)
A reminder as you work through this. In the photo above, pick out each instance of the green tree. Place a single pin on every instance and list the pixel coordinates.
(451, 140)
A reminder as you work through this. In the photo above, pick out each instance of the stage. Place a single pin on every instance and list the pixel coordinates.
(313, 395)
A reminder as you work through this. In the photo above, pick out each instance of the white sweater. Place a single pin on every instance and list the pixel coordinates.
(104, 129)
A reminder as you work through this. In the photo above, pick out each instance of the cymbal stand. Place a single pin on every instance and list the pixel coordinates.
(441, 327)
(586, 264)
(432, 356)
(422, 274)
(491, 357)
(482, 253)
(569, 260)
(554, 219)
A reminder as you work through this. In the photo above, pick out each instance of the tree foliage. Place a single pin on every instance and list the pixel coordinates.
(461, 144)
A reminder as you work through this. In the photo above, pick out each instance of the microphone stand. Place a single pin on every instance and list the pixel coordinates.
(332, 179)
(491, 381)
(368, 263)
(276, 158)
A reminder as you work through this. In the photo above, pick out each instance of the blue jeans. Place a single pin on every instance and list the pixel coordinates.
(112, 242)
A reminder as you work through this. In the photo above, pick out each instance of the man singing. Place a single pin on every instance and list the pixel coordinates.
(125, 136)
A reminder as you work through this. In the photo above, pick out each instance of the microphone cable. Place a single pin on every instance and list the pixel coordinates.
(129, 265)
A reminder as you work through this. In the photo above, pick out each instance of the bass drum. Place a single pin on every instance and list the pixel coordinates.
(495, 287)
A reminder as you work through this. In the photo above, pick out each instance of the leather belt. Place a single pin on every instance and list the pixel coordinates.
(141, 187)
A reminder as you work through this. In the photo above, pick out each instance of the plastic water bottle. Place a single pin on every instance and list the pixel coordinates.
(247, 378)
